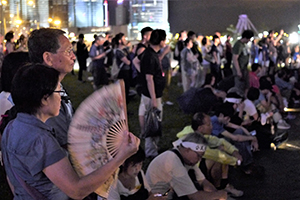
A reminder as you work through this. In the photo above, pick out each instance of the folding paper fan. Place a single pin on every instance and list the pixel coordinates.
(95, 133)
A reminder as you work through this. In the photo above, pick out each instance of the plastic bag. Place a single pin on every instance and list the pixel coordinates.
(152, 123)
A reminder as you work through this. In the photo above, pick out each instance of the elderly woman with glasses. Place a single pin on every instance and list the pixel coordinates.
(36, 165)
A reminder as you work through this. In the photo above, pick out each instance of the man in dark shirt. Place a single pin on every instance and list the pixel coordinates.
(98, 55)
(82, 54)
(153, 84)
(240, 59)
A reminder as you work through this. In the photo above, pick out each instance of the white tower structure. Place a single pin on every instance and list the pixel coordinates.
(244, 23)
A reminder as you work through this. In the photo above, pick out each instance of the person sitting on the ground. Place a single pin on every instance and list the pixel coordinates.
(218, 155)
(38, 167)
(254, 120)
(240, 138)
(265, 105)
(176, 169)
(131, 183)
(286, 88)
(254, 75)
(251, 114)
(210, 83)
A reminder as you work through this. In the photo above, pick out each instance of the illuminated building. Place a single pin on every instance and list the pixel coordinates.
(86, 13)
(153, 13)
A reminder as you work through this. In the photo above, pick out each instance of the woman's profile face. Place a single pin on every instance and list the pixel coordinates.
(134, 169)
(54, 102)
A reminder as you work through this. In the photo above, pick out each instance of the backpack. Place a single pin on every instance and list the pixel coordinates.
(115, 69)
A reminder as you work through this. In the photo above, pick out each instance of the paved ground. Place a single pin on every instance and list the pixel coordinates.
(282, 174)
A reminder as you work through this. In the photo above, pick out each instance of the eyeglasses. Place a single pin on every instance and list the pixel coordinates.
(68, 52)
(199, 155)
(61, 93)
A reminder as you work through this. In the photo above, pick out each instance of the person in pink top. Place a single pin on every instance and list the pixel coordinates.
(254, 75)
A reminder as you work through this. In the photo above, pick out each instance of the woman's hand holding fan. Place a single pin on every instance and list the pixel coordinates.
(99, 133)
(129, 146)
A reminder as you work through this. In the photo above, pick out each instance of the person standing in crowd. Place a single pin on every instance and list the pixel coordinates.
(82, 54)
(220, 46)
(284, 51)
(50, 47)
(9, 45)
(190, 66)
(178, 48)
(22, 43)
(165, 57)
(140, 48)
(123, 62)
(108, 45)
(254, 51)
(195, 49)
(205, 64)
(215, 66)
(228, 56)
(98, 55)
(240, 61)
(273, 49)
(152, 86)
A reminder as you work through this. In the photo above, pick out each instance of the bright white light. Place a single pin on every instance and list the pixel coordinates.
(120, 2)
(260, 35)
(72, 34)
(294, 38)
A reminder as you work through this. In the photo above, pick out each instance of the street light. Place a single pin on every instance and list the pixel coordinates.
(57, 22)
(30, 2)
(18, 21)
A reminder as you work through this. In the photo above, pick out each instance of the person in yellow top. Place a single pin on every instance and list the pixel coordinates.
(218, 155)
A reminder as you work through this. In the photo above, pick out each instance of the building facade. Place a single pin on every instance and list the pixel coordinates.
(86, 13)
(153, 13)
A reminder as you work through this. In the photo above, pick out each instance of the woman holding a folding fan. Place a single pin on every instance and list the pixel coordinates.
(36, 165)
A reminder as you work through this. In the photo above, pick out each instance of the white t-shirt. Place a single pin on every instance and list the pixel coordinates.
(167, 171)
(118, 189)
(5, 103)
(250, 108)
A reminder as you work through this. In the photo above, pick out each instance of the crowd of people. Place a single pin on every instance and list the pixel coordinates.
(246, 111)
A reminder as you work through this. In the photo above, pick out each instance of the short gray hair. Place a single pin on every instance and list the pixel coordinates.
(195, 138)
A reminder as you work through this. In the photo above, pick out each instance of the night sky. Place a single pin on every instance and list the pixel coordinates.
(207, 16)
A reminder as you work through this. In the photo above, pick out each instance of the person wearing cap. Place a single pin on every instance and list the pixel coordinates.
(176, 170)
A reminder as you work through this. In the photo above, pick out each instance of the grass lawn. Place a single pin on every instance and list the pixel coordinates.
(173, 118)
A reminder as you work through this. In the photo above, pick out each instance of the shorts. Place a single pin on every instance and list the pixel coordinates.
(146, 102)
